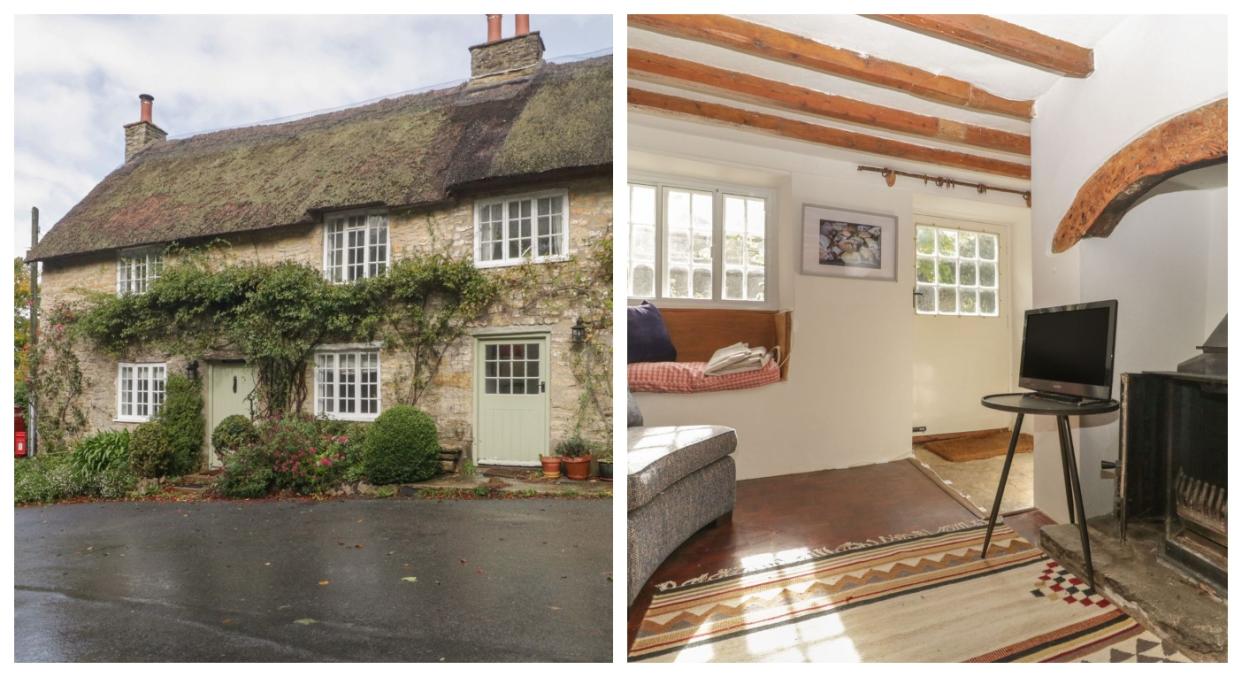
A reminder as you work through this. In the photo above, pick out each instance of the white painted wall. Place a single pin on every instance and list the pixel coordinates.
(1164, 262)
(848, 400)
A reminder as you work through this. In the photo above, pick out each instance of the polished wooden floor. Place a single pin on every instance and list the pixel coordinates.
(826, 508)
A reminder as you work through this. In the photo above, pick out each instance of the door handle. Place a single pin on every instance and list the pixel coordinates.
(234, 385)
(543, 387)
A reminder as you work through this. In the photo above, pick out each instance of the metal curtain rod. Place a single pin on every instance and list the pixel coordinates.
(890, 177)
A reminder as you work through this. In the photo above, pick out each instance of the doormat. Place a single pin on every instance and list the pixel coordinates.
(921, 598)
(973, 448)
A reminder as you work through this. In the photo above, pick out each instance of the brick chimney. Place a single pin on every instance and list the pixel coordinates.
(139, 135)
(501, 59)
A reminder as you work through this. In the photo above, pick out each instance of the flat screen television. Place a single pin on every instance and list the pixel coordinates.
(1068, 350)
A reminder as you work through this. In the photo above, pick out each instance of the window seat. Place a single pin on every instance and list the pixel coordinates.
(688, 377)
(697, 333)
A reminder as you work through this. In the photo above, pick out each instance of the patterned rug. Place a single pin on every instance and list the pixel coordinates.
(916, 598)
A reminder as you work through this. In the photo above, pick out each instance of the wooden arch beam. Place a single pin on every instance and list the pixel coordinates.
(1189, 141)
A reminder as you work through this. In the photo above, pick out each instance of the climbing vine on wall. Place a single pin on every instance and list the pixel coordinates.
(58, 392)
(276, 314)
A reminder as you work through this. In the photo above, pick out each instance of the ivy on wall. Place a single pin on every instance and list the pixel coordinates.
(58, 391)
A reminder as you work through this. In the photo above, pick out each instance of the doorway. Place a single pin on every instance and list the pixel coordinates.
(511, 391)
(230, 391)
(964, 349)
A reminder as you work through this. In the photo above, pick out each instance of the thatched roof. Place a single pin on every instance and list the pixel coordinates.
(407, 151)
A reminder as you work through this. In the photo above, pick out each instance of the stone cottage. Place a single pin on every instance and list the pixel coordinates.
(511, 167)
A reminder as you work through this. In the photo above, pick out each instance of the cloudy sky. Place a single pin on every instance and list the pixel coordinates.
(78, 78)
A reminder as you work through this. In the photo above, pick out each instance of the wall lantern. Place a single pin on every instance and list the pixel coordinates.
(191, 369)
(578, 333)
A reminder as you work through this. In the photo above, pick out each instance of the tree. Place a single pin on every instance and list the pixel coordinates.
(21, 330)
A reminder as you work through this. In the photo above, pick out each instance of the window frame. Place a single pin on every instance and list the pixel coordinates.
(153, 258)
(152, 407)
(367, 263)
(534, 257)
(356, 350)
(997, 231)
(718, 189)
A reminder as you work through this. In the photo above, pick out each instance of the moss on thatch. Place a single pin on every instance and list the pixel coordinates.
(400, 152)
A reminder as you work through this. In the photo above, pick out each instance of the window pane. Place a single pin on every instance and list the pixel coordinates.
(702, 283)
(925, 270)
(966, 245)
(947, 240)
(733, 284)
(926, 242)
(966, 273)
(642, 281)
(946, 300)
(967, 301)
(987, 302)
(754, 285)
(987, 274)
(987, 247)
(642, 205)
(925, 301)
(734, 232)
(946, 272)
(678, 283)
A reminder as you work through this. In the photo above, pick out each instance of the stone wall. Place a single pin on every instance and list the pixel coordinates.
(448, 229)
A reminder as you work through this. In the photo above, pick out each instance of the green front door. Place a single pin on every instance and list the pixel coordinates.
(231, 392)
(511, 387)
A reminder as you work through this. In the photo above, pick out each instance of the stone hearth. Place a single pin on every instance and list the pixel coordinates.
(1172, 604)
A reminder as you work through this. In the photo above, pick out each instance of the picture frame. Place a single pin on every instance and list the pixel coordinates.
(848, 243)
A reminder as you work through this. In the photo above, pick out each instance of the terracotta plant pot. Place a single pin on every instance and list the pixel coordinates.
(551, 466)
(578, 467)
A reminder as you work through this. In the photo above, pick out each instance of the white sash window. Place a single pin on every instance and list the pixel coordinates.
(137, 269)
(347, 385)
(521, 228)
(355, 246)
(139, 391)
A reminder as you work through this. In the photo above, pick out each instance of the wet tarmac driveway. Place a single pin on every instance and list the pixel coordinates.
(352, 580)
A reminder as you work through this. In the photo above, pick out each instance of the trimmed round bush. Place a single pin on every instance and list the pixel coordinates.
(233, 433)
(151, 451)
(401, 446)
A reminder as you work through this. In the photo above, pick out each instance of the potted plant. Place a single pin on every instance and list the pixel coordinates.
(605, 465)
(551, 466)
(575, 452)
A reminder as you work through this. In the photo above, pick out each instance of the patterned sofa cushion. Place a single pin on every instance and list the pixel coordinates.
(658, 456)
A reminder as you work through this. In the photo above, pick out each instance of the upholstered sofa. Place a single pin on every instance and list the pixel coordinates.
(680, 479)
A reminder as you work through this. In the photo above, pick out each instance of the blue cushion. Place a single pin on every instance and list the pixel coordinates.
(649, 340)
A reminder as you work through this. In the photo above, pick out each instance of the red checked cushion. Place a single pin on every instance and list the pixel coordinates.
(688, 377)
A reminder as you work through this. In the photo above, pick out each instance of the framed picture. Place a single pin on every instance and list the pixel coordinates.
(845, 243)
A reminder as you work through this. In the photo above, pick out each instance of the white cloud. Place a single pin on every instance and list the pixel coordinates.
(78, 79)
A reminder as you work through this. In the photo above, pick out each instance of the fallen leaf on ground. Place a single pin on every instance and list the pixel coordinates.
(324, 582)
(410, 579)
(306, 621)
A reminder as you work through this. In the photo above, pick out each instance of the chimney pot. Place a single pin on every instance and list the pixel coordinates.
(521, 24)
(146, 100)
(493, 27)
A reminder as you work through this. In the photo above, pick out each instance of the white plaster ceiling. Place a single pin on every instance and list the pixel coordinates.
(997, 75)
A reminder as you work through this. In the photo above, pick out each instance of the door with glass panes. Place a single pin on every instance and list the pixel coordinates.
(511, 391)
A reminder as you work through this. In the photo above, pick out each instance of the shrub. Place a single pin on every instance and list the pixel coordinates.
(151, 452)
(113, 482)
(401, 446)
(46, 478)
(247, 474)
(232, 433)
(102, 451)
(573, 447)
(182, 418)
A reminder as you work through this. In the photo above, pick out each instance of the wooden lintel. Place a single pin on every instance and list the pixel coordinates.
(652, 67)
(829, 136)
(1194, 139)
(777, 45)
(1000, 38)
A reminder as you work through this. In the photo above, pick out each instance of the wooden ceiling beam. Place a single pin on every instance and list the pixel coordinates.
(999, 38)
(777, 45)
(652, 67)
(829, 136)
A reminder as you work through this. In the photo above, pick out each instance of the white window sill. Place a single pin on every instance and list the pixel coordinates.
(704, 303)
(517, 262)
(132, 419)
(357, 418)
